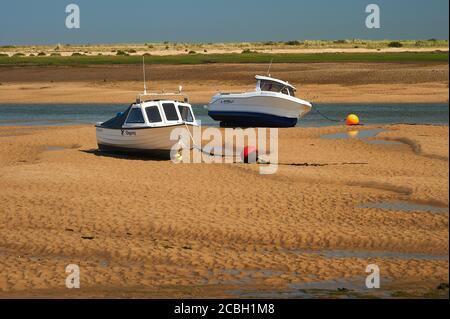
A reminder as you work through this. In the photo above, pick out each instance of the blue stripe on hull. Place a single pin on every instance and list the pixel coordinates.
(250, 119)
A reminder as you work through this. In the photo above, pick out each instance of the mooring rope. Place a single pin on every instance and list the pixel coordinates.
(194, 146)
(326, 117)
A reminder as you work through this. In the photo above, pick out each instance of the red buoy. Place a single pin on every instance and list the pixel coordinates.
(249, 154)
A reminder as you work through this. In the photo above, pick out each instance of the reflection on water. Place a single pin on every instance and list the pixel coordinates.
(383, 142)
(407, 207)
(361, 134)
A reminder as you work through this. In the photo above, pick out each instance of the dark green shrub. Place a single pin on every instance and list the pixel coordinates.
(395, 44)
(122, 53)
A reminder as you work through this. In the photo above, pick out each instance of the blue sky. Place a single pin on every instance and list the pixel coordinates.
(110, 21)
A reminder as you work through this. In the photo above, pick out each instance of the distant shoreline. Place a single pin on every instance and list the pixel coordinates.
(347, 50)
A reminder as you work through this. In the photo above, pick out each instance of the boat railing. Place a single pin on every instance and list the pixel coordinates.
(154, 96)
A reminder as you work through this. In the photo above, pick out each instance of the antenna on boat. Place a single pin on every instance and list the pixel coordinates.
(270, 66)
(143, 70)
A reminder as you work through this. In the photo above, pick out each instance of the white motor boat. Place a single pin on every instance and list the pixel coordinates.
(146, 126)
(272, 104)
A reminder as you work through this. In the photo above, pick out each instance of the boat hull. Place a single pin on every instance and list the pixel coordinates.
(148, 140)
(257, 109)
(251, 119)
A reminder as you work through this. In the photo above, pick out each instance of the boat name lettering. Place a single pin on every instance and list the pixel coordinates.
(227, 101)
(128, 133)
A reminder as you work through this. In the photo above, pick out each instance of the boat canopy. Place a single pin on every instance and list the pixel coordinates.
(262, 79)
(117, 121)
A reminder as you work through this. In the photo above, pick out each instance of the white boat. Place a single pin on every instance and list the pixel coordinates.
(146, 126)
(272, 104)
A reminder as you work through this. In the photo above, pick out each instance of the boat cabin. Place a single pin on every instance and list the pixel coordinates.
(153, 113)
(159, 113)
(268, 84)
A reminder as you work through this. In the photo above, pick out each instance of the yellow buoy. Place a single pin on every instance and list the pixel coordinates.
(352, 119)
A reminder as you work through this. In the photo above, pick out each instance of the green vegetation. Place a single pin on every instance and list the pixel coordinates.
(248, 51)
(395, 44)
(121, 53)
(293, 43)
(251, 57)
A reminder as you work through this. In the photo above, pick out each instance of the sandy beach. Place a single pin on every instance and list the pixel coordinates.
(417, 82)
(139, 227)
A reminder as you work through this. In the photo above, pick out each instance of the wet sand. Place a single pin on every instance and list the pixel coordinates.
(318, 82)
(139, 227)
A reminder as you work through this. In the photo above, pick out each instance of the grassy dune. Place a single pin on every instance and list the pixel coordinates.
(268, 45)
(228, 58)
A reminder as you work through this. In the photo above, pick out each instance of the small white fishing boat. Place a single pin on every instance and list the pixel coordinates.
(272, 104)
(146, 126)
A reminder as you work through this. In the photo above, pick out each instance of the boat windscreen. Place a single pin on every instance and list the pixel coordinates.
(271, 86)
(118, 121)
(186, 114)
(171, 112)
(153, 114)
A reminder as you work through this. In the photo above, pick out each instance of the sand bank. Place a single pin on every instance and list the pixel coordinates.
(319, 82)
(144, 228)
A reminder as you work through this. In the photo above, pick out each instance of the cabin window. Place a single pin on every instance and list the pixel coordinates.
(153, 114)
(135, 117)
(285, 91)
(171, 112)
(291, 91)
(186, 114)
(271, 86)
